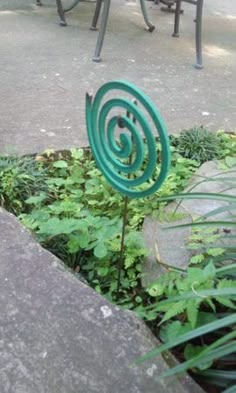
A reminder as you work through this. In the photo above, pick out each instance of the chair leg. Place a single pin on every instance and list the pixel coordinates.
(102, 30)
(149, 24)
(177, 18)
(96, 15)
(61, 13)
(199, 63)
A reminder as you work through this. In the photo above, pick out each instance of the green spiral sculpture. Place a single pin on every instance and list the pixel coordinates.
(128, 163)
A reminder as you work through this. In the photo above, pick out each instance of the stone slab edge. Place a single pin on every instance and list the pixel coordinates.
(58, 336)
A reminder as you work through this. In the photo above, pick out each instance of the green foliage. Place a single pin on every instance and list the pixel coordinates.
(176, 287)
(20, 177)
(72, 211)
(87, 242)
(198, 358)
(76, 215)
(206, 243)
(197, 307)
(198, 144)
(79, 220)
(227, 146)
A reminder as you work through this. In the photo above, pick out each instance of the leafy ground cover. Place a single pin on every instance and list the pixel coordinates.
(72, 211)
(75, 214)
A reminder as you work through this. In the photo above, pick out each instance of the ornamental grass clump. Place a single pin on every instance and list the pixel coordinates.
(198, 144)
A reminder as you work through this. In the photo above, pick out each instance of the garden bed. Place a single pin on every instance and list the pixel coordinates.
(72, 211)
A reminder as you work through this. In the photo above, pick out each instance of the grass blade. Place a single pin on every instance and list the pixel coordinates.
(223, 209)
(205, 223)
(226, 269)
(200, 359)
(232, 389)
(199, 195)
(222, 374)
(208, 328)
(213, 351)
(196, 294)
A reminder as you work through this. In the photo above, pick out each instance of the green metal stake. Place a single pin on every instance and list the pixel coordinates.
(125, 212)
(122, 246)
(124, 171)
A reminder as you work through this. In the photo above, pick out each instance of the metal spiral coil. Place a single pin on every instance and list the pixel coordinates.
(128, 162)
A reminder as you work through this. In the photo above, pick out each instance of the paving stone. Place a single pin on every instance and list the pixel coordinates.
(199, 207)
(58, 336)
(169, 245)
(166, 245)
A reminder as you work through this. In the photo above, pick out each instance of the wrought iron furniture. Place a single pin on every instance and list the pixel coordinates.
(198, 33)
(177, 11)
(104, 17)
(169, 4)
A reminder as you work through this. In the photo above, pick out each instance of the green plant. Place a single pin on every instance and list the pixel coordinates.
(78, 218)
(198, 144)
(171, 294)
(72, 211)
(20, 177)
(206, 243)
(220, 348)
(227, 145)
(195, 309)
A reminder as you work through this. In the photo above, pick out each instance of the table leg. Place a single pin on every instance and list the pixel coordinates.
(96, 15)
(199, 63)
(149, 24)
(102, 30)
(177, 18)
(61, 14)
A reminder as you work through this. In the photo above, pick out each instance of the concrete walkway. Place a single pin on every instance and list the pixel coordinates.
(45, 70)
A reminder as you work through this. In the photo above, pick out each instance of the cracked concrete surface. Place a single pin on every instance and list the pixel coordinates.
(45, 70)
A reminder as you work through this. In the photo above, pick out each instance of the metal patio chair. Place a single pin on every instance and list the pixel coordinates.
(177, 11)
(198, 32)
(103, 24)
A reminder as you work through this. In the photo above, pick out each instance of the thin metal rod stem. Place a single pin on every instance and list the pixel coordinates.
(125, 213)
(122, 245)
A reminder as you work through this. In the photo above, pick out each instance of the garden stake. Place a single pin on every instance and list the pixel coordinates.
(126, 163)
(125, 212)
(122, 246)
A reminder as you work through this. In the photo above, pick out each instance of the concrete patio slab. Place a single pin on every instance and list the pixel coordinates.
(45, 70)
